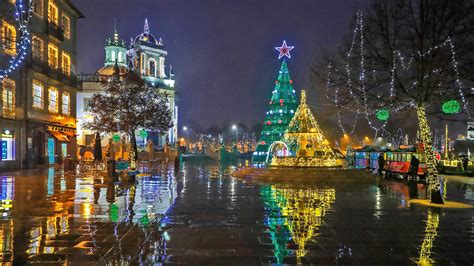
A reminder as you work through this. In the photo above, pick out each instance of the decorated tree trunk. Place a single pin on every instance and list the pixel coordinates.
(432, 177)
(133, 151)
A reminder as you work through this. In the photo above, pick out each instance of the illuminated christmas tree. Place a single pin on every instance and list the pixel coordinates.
(283, 105)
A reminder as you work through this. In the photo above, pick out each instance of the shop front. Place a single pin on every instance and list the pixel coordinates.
(9, 148)
(60, 143)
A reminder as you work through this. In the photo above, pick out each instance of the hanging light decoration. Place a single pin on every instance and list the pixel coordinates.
(23, 10)
(382, 114)
(451, 107)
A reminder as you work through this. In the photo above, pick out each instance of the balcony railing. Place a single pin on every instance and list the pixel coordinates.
(93, 78)
(54, 73)
(11, 113)
(55, 31)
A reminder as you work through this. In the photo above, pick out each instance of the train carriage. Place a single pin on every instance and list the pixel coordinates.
(397, 162)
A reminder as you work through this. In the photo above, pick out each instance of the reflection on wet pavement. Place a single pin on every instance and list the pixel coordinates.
(202, 215)
(50, 216)
(221, 219)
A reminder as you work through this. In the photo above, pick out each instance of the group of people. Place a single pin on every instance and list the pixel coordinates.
(114, 151)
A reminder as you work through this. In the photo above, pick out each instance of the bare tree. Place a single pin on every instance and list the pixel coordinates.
(126, 105)
(407, 55)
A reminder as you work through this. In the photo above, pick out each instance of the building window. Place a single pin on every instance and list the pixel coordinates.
(142, 64)
(7, 145)
(66, 64)
(53, 56)
(8, 98)
(38, 92)
(37, 6)
(66, 101)
(53, 100)
(37, 47)
(53, 16)
(152, 67)
(9, 38)
(67, 27)
(112, 57)
(87, 104)
(119, 57)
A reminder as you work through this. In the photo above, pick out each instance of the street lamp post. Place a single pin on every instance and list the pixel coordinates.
(234, 127)
(187, 134)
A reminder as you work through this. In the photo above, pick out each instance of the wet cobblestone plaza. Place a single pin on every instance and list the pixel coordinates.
(202, 215)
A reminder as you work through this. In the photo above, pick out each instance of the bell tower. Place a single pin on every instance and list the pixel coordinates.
(115, 50)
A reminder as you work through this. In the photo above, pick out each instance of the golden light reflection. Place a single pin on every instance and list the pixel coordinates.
(86, 210)
(303, 210)
(431, 231)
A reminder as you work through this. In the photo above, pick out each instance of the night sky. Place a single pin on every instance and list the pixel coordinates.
(222, 51)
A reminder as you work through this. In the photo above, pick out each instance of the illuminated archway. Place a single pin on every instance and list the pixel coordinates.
(274, 144)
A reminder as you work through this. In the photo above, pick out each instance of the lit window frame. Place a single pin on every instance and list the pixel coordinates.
(66, 26)
(149, 67)
(53, 108)
(37, 104)
(37, 7)
(37, 54)
(8, 103)
(66, 108)
(66, 63)
(54, 64)
(53, 18)
(9, 40)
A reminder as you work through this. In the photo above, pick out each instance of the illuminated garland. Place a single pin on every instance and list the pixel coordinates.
(398, 61)
(22, 16)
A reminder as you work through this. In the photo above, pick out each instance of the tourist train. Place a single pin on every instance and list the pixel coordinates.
(397, 161)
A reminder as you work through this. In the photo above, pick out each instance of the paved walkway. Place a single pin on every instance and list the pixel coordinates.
(204, 216)
(49, 216)
(218, 219)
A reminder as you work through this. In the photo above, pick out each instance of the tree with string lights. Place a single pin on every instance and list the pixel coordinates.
(126, 105)
(406, 55)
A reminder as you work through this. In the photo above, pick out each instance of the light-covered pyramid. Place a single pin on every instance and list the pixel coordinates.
(306, 141)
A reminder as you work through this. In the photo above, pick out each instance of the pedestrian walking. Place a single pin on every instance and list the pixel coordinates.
(82, 151)
(465, 162)
(414, 164)
(381, 162)
(150, 149)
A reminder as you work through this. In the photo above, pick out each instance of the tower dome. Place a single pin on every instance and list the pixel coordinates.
(147, 37)
(115, 54)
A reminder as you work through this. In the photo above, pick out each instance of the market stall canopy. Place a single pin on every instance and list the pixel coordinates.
(59, 135)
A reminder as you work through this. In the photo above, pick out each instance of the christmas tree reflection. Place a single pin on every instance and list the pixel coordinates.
(300, 213)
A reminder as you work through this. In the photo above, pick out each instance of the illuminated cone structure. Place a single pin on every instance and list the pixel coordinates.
(283, 104)
(306, 141)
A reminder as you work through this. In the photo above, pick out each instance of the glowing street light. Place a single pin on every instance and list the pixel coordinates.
(234, 127)
(185, 128)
